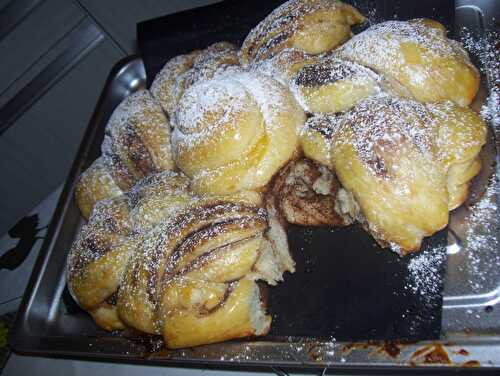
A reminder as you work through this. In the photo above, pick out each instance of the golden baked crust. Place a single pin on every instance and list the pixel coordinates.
(136, 144)
(98, 258)
(139, 134)
(322, 84)
(403, 163)
(418, 58)
(183, 71)
(460, 136)
(226, 311)
(212, 59)
(212, 233)
(164, 260)
(235, 131)
(312, 26)
(95, 184)
(169, 82)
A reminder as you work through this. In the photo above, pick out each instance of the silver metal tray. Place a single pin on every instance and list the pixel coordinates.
(471, 310)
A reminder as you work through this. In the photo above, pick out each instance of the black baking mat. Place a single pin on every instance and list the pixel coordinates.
(162, 38)
(345, 286)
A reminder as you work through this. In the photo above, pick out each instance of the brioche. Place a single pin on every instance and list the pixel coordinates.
(183, 71)
(136, 144)
(166, 86)
(95, 184)
(215, 242)
(235, 132)
(322, 84)
(139, 133)
(460, 135)
(167, 261)
(418, 58)
(403, 163)
(227, 311)
(312, 26)
(98, 259)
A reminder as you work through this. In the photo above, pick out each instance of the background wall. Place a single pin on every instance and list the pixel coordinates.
(55, 57)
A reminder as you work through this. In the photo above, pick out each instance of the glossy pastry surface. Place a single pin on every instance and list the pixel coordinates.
(143, 253)
(95, 184)
(312, 26)
(400, 161)
(324, 83)
(418, 58)
(181, 72)
(136, 144)
(235, 132)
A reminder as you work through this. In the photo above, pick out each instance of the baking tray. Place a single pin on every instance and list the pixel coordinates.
(48, 324)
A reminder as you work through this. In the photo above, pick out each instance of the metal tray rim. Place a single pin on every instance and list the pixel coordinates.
(16, 333)
(22, 341)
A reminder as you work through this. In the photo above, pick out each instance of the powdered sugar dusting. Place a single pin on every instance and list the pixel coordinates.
(277, 67)
(181, 72)
(228, 94)
(383, 124)
(267, 94)
(239, 113)
(481, 238)
(138, 133)
(410, 54)
(138, 107)
(381, 43)
(331, 70)
(424, 276)
(275, 31)
(208, 106)
(380, 124)
(313, 73)
(486, 50)
(160, 230)
(169, 82)
(98, 174)
(215, 58)
(108, 227)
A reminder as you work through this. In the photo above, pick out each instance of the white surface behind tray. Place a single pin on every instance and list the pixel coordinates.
(14, 282)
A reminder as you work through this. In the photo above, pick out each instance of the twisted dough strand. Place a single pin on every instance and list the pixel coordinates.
(312, 26)
(235, 131)
(418, 58)
(403, 164)
(140, 250)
